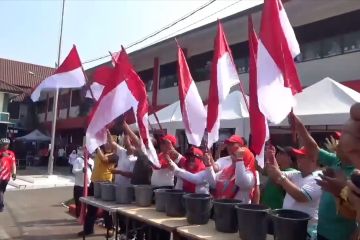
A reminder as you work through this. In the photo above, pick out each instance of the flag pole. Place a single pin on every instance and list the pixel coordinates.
(56, 97)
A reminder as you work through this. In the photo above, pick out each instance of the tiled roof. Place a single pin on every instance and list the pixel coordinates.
(24, 75)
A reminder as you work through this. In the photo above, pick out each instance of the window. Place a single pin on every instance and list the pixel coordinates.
(331, 46)
(168, 81)
(242, 65)
(51, 103)
(14, 110)
(64, 100)
(76, 98)
(351, 42)
(200, 66)
(149, 85)
(311, 50)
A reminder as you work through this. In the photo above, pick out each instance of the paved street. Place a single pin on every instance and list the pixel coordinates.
(38, 214)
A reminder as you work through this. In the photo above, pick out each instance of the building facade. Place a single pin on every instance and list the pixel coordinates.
(328, 33)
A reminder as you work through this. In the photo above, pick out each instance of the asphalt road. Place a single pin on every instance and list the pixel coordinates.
(39, 215)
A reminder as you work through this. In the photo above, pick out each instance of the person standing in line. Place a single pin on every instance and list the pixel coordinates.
(273, 195)
(7, 168)
(105, 160)
(78, 169)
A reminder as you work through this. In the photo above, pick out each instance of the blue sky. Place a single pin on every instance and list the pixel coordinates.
(30, 28)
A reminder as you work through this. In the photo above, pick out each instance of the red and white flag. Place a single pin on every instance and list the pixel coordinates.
(223, 77)
(258, 123)
(69, 75)
(123, 90)
(192, 107)
(277, 77)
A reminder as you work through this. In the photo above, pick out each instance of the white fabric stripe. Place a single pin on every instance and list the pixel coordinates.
(289, 33)
(96, 89)
(115, 103)
(261, 157)
(150, 150)
(72, 79)
(213, 135)
(275, 100)
(197, 115)
(227, 77)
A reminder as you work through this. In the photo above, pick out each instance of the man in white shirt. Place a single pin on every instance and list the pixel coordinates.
(125, 165)
(302, 191)
(78, 170)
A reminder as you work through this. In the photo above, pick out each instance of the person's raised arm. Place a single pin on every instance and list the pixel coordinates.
(244, 177)
(111, 141)
(309, 142)
(102, 156)
(196, 178)
(133, 137)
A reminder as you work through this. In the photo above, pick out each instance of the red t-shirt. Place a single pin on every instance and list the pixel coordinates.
(6, 164)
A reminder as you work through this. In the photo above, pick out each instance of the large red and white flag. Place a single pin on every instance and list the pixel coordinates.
(277, 76)
(192, 107)
(123, 90)
(223, 77)
(258, 123)
(69, 75)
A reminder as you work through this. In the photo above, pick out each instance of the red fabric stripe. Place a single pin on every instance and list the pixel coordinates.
(220, 47)
(71, 62)
(273, 38)
(185, 80)
(257, 119)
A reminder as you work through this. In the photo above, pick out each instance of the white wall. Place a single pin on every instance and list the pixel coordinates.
(62, 114)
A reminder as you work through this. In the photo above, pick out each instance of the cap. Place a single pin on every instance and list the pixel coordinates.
(169, 138)
(299, 152)
(287, 150)
(337, 135)
(196, 152)
(4, 141)
(234, 139)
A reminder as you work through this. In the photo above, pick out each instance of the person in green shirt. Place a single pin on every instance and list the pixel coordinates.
(273, 195)
(331, 225)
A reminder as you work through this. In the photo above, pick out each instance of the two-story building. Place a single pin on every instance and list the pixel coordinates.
(328, 33)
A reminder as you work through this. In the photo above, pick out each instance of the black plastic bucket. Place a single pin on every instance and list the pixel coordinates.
(124, 194)
(252, 221)
(174, 206)
(97, 189)
(225, 215)
(198, 208)
(143, 195)
(290, 224)
(160, 199)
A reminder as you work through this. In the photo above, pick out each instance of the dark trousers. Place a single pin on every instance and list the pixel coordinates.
(3, 184)
(78, 192)
(91, 215)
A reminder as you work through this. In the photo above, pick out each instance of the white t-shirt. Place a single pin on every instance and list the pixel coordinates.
(311, 190)
(125, 163)
(164, 177)
(224, 162)
(77, 170)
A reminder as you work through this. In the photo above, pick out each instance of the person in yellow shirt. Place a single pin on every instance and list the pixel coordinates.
(105, 160)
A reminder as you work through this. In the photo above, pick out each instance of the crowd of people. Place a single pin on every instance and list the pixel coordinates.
(324, 183)
(320, 182)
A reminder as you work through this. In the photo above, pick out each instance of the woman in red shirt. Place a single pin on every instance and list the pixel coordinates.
(7, 168)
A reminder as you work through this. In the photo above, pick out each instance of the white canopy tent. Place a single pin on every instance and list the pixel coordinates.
(233, 115)
(35, 135)
(326, 102)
